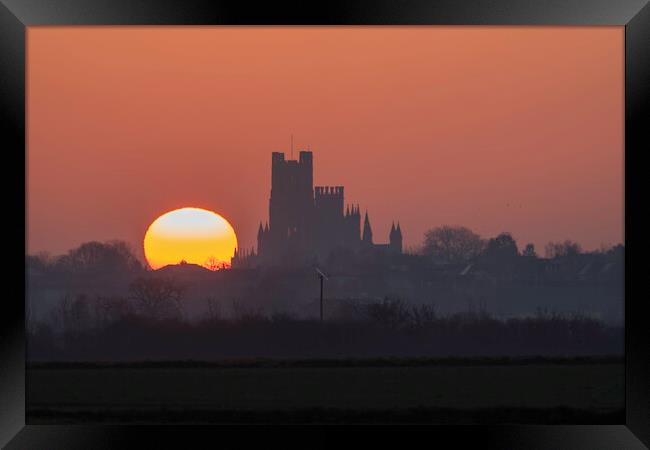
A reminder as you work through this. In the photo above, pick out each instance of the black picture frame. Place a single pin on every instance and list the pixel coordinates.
(16, 15)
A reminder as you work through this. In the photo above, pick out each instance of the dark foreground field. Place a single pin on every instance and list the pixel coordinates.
(435, 391)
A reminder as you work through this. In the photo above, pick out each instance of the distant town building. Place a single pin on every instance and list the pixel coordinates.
(307, 223)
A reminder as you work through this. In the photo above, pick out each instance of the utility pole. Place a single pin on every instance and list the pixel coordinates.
(322, 277)
(321, 298)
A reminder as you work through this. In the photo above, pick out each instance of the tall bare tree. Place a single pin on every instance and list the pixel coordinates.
(529, 251)
(157, 298)
(100, 257)
(452, 244)
(562, 249)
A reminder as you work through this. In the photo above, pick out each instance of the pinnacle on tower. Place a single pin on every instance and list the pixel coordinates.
(367, 230)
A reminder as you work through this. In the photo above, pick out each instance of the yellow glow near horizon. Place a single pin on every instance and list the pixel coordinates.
(194, 235)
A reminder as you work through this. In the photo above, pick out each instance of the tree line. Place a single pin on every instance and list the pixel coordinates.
(447, 244)
(458, 244)
(386, 328)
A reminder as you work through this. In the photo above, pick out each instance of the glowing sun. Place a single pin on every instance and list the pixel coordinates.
(193, 235)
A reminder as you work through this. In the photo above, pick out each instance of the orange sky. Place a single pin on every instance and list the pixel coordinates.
(515, 129)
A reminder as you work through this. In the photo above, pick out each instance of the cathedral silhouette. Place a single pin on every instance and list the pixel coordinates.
(308, 223)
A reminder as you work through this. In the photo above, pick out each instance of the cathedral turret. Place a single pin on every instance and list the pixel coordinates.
(395, 238)
(260, 238)
(367, 231)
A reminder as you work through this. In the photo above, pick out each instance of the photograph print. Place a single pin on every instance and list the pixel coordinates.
(325, 224)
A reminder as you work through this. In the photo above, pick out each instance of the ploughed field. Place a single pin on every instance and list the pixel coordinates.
(443, 391)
